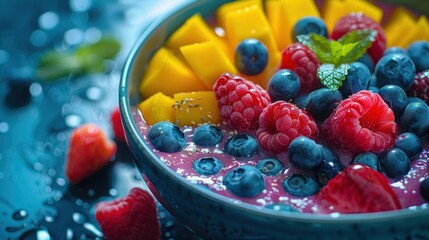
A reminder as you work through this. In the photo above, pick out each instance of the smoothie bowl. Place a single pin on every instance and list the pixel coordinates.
(245, 132)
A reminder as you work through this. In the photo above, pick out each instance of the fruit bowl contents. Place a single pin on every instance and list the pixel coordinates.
(318, 112)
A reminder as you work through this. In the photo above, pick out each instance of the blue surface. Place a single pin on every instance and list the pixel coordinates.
(36, 118)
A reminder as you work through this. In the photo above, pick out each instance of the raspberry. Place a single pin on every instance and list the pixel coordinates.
(240, 101)
(420, 87)
(358, 21)
(302, 60)
(280, 123)
(133, 217)
(361, 123)
(116, 123)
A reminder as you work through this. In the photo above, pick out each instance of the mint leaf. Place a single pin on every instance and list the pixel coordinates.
(319, 45)
(356, 43)
(336, 52)
(332, 76)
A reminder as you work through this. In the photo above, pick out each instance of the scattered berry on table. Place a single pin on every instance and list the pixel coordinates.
(281, 207)
(305, 153)
(134, 216)
(369, 159)
(361, 123)
(357, 79)
(415, 119)
(244, 181)
(395, 50)
(270, 166)
(367, 60)
(280, 123)
(307, 25)
(251, 56)
(357, 189)
(420, 87)
(89, 150)
(166, 137)
(424, 189)
(359, 21)
(419, 53)
(321, 102)
(395, 97)
(207, 165)
(116, 122)
(284, 85)
(300, 185)
(395, 162)
(302, 60)
(409, 143)
(241, 145)
(240, 101)
(329, 167)
(397, 69)
(207, 135)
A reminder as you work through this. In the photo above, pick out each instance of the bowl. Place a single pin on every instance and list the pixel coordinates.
(216, 217)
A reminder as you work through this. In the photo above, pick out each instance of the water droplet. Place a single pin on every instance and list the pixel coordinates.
(36, 89)
(113, 192)
(4, 127)
(57, 196)
(43, 234)
(69, 234)
(79, 202)
(73, 120)
(49, 219)
(74, 36)
(94, 94)
(80, 5)
(38, 38)
(20, 214)
(38, 166)
(61, 181)
(92, 35)
(79, 218)
(92, 229)
(169, 224)
(137, 177)
(91, 193)
(48, 20)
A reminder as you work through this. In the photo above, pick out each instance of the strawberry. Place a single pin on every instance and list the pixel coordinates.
(90, 149)
(116, 122)
(133, 217)
(357, 189)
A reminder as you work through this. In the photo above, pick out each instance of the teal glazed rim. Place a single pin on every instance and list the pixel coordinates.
(137, 143)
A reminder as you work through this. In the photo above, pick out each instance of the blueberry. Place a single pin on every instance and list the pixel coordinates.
(270, 166)
(424, 189)
(207, 165)
(416, 99)
(374, 89)
(356, 80)
(281, 207)
(321, 103)
(369, 159)
(395, 98)
(397, 69)
(409, 143)
(308, 25)
(419, 53)
(305, 153)
(367, 60)
(301, 101)
(329, 167)
(207, 135)
(415, 119)
(251, 56)
(300, 186)
(166, 137)
(242, 145)
(244, 181)
(395, 162)
(395, 50)
(284, 85)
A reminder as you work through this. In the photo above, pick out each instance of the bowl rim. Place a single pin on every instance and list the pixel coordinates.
(134, 135)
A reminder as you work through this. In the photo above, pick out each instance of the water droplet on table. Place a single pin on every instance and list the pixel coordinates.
(49, 219)
(94, 94)
(69, 234)
(36, 90)
(74, 36)
(92, 229)
(113, 192)
(80, 5)
(49, 20)
(4, 127)
(38, 38)
(20, 214)
(43, 234)
(79, 218)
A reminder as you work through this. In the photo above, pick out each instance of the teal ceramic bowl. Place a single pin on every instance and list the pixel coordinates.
(215, 217)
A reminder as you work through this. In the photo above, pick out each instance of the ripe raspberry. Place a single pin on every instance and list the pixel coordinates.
(133, 217)
(280, 123)
(240, 101)
(358, 21)
(420, 87)
(361, 123)
(116, 123)
(303, 61)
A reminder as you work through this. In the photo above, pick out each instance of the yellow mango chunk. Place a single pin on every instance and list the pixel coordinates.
(195, 108)
(164, 71)
(223, 10)
(157, 108)
(332, 11)
(194, 30)
(283, 14)
(398, 25)
(420, 31)
(208, 61)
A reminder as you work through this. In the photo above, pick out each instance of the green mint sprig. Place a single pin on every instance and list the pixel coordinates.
(336, 56)
(85, 59)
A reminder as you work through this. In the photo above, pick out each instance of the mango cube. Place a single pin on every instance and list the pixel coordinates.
(166, 70)
(157, 108)
(419, 32)
(208, 61)
(223, 10)
(398, 25)
(194, 108)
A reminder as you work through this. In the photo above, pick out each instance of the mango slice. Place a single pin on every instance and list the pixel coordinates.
(194, 108)
(419, 31)
(167, 74)
(223, 10)
(398, 25)
(157, 108)
(208, 61)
